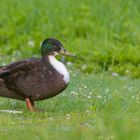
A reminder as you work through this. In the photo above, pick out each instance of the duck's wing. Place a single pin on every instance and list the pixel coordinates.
(9, 74)
(23, 65)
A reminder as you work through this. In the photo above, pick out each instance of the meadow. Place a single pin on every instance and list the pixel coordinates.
(101, 107)
(103, 98)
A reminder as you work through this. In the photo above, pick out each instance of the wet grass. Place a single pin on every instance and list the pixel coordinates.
(102, 107)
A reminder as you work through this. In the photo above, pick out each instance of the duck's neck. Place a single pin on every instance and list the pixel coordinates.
(60, 67)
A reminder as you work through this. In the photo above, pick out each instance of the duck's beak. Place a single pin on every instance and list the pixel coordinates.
(65, 52)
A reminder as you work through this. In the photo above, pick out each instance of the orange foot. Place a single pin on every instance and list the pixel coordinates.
(30, 105)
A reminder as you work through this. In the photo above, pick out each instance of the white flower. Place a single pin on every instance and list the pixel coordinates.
(31, 43)
(115, 74)
(68, 116)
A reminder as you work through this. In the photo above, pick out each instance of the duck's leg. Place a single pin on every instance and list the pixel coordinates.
(30, 105)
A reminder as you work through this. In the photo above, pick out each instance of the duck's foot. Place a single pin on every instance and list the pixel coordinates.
(30, 105)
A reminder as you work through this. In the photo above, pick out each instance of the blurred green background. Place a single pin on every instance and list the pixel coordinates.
(105, 34)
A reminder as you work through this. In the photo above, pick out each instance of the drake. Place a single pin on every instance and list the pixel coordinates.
(36, 79)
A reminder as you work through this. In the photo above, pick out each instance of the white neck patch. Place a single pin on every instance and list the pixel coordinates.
(60, 67)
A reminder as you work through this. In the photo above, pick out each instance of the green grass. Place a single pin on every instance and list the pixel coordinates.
(104, 34)
(101, 107)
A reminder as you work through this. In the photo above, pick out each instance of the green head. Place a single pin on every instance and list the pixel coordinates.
(52, 46)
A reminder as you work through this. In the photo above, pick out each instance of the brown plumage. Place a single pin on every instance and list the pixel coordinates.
(35, 78)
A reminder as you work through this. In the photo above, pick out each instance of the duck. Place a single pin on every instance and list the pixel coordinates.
(36, 79)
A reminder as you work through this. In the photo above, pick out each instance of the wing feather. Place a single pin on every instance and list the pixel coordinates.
(23, 65)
